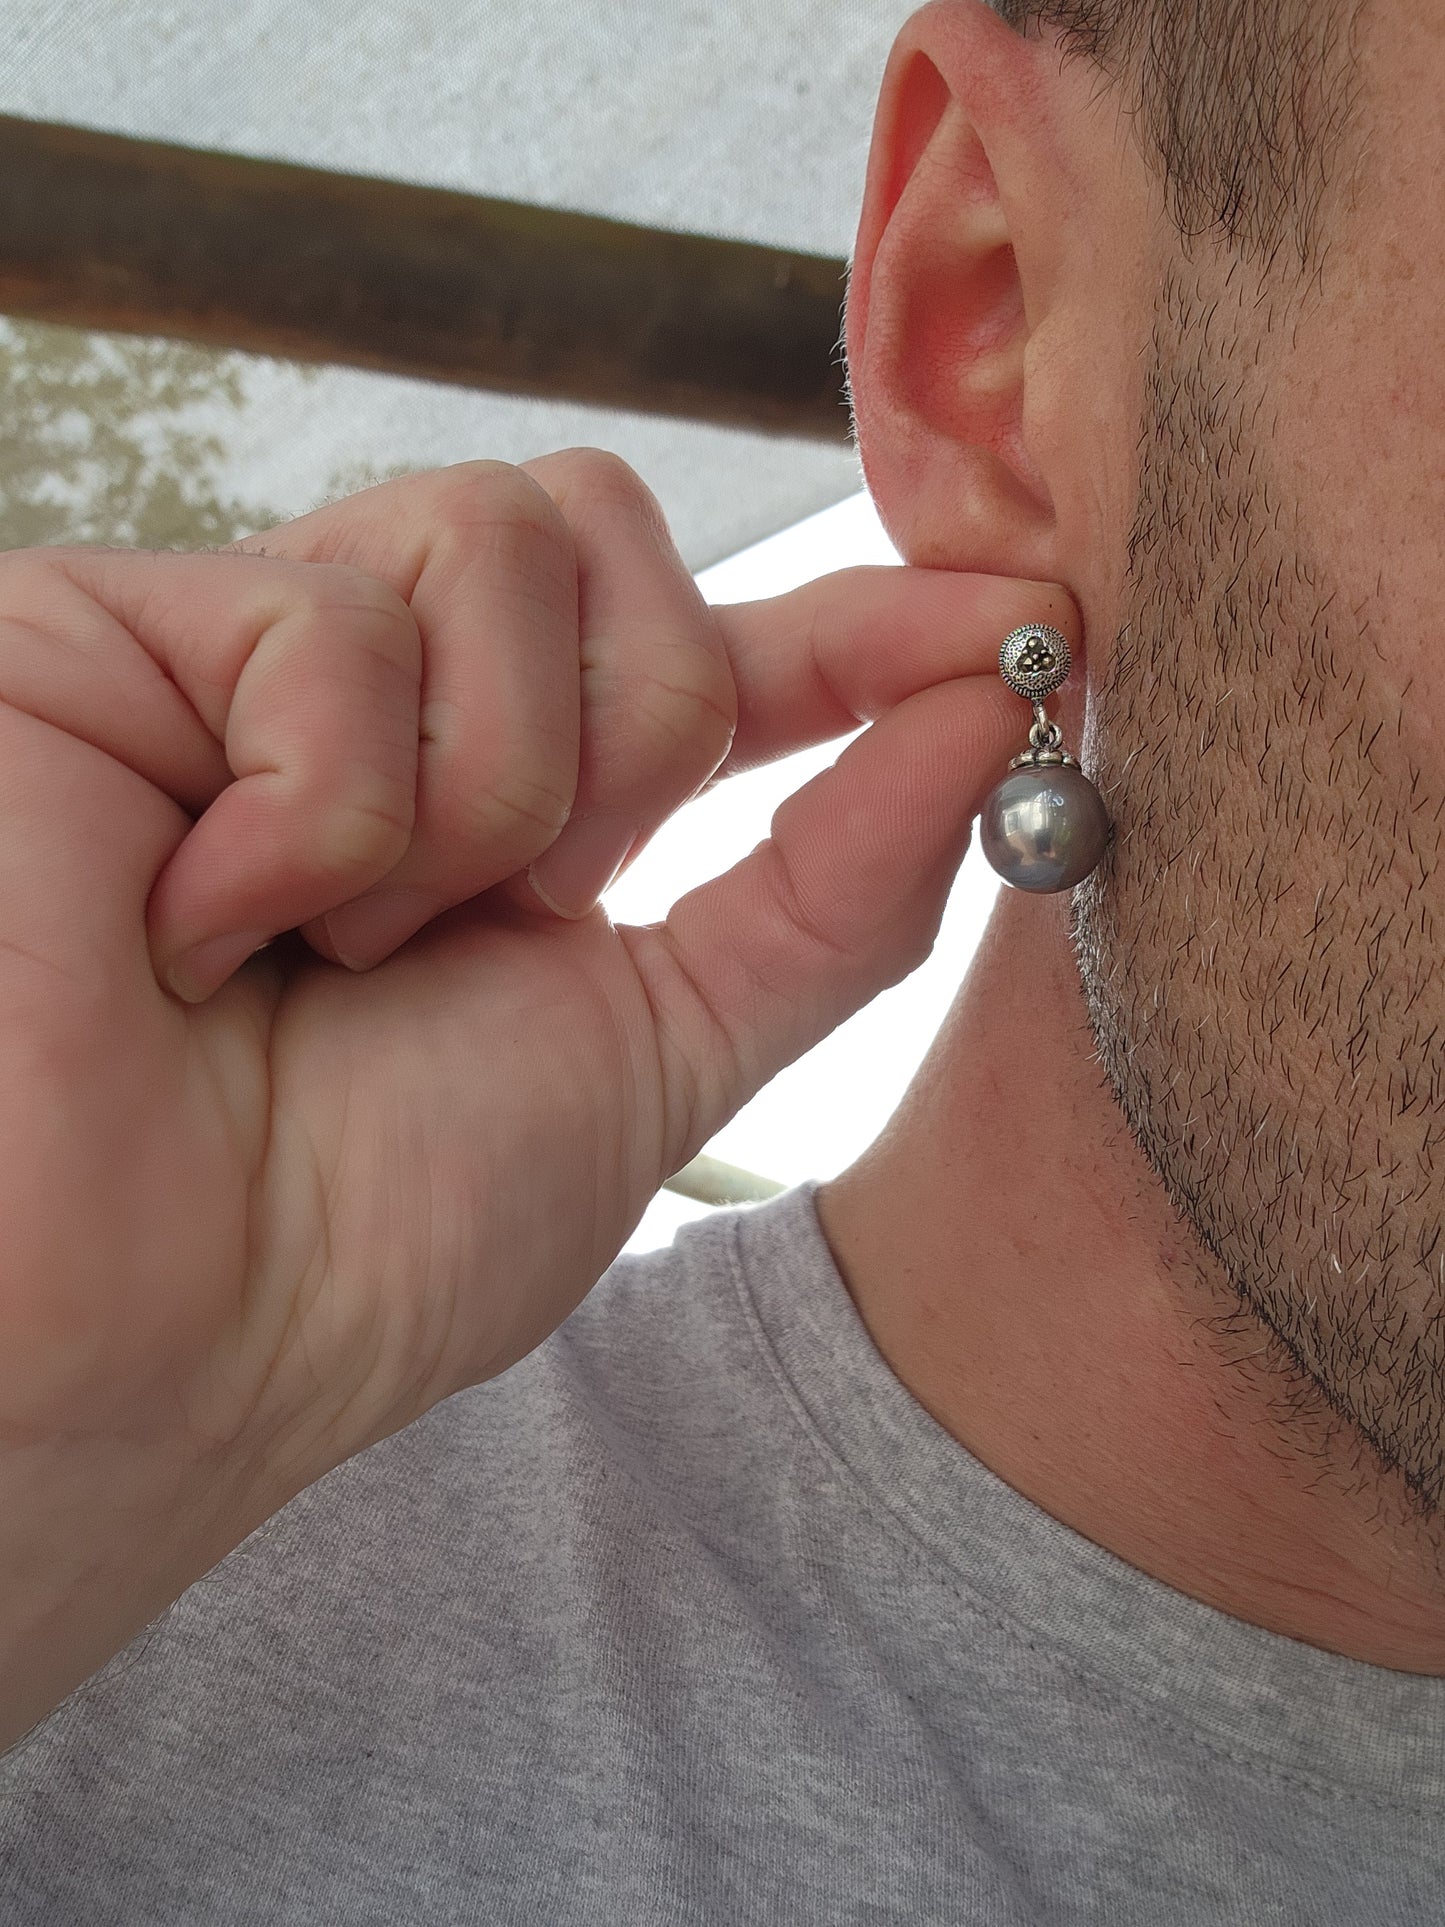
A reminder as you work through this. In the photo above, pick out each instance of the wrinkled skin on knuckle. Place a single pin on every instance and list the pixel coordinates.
(365, 809)
(372, 609)
(689, 709)
(696, 1085)
(511, 819)
(25, 576)
(586, 479)
(54, 589)
(804, 921)
(494, 510)
(357, 838)
(448, 517)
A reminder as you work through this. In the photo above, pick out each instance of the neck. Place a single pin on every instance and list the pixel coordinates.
(1021, 1270)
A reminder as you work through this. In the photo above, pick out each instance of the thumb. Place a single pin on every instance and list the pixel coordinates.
(843, 900)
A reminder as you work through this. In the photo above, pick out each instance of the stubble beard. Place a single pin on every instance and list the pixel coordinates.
(1259, 952)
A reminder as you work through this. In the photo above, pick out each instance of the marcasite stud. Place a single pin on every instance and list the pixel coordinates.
(1044, 827)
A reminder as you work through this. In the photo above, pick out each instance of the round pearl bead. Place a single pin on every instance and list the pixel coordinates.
(1044, 829)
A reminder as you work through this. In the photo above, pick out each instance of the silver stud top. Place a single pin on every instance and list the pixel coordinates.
(1035, 661)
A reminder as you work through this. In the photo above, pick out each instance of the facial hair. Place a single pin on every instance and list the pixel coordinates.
(1259, 953)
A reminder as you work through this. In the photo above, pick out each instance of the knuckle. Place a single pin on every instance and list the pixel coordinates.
(677, 1009)
(671, 690)
(586, 478)
(694, 702)
(586, 466)
(327, 589)
(472, 507)
(364, 833)
(515, 817)
(36, 583)
(807, 921)
(491, 505)
(682, 1013)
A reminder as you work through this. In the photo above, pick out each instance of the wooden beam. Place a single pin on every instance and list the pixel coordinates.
(100, 231)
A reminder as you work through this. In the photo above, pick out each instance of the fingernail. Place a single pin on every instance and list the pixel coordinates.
(571, 876)
(201, 970)
(364, 932)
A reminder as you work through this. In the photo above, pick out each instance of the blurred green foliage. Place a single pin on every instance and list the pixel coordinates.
(111, 438)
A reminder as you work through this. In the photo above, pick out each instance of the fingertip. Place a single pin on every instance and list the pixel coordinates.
(199, 972)
(573, 914)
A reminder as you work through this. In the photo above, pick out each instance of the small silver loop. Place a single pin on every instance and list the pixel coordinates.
(1044, 734)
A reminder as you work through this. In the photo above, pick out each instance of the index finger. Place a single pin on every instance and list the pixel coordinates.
(822, 659)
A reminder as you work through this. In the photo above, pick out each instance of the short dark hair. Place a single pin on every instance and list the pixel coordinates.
(1245, 102)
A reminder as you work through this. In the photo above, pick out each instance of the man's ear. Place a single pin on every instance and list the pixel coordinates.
(996, 303)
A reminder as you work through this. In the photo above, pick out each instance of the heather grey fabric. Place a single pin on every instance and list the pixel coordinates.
(695, 1616)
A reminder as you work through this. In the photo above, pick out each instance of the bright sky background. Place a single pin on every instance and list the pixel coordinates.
(817, 1116)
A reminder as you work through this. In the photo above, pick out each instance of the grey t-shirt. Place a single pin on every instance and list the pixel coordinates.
(696, 1616)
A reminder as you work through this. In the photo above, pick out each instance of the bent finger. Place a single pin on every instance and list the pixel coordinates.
(308, 676)
(818, 661)
(658, 700)
(843, 900)
(484, 559)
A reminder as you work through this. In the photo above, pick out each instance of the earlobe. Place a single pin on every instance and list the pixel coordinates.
(940, 315)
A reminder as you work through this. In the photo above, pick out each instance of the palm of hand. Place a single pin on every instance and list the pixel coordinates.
(458, 1144)
(295, 1216)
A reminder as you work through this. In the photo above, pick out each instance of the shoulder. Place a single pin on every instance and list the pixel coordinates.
(666, 1355)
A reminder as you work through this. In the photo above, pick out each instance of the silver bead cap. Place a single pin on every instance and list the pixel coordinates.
(1045, 759)
(1035, 661)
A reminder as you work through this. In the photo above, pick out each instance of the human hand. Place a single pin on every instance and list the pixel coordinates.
(248, 1235)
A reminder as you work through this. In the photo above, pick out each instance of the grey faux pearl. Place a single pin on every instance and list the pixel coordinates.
(1044, 829)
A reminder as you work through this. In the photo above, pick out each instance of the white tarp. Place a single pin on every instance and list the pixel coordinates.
(745, 120)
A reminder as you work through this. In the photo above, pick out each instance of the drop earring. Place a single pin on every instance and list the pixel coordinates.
(1044, 827)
